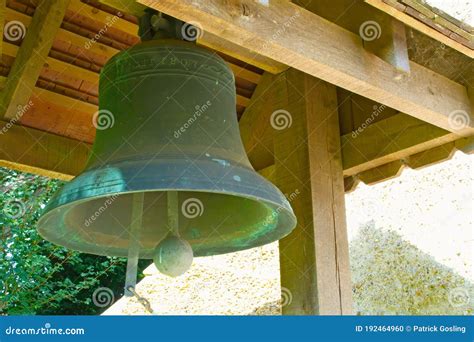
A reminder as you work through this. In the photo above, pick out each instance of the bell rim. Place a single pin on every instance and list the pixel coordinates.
(287, 212)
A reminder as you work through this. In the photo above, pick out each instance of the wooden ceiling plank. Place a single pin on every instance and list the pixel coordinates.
(327, 51)
(31, 56)
(107, 19)
(58, 65)
(84, 44)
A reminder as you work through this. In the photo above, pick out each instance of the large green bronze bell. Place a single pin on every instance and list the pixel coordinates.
(167, 161)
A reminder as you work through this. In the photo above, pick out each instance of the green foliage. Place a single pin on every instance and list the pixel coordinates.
(36, 276)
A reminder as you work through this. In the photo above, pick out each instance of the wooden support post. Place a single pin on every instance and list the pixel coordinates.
(314, 259)
(31, 56)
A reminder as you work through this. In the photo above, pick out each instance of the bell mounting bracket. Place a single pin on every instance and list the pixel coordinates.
(158, 25)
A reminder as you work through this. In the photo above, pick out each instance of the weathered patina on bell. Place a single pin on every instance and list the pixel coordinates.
(167, 124)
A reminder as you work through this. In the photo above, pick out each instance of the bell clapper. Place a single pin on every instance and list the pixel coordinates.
(134, 244)
(173, 212)
(173, 256)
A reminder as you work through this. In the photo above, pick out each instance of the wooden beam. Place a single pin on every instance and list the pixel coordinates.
(242, 53)
(381, 173)
(255, 127)
(392, 45)
(420, 26)
(381, 34)
(126, 6)
(208, 39)
(269, 173)
(389, 140)
(32, 56)
(294, 36)
(314, 258)
(30, 150)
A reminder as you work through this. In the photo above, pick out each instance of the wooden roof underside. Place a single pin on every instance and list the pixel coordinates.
(54, 136)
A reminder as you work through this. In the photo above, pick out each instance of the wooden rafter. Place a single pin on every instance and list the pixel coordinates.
(322, 49)
(31, 56)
